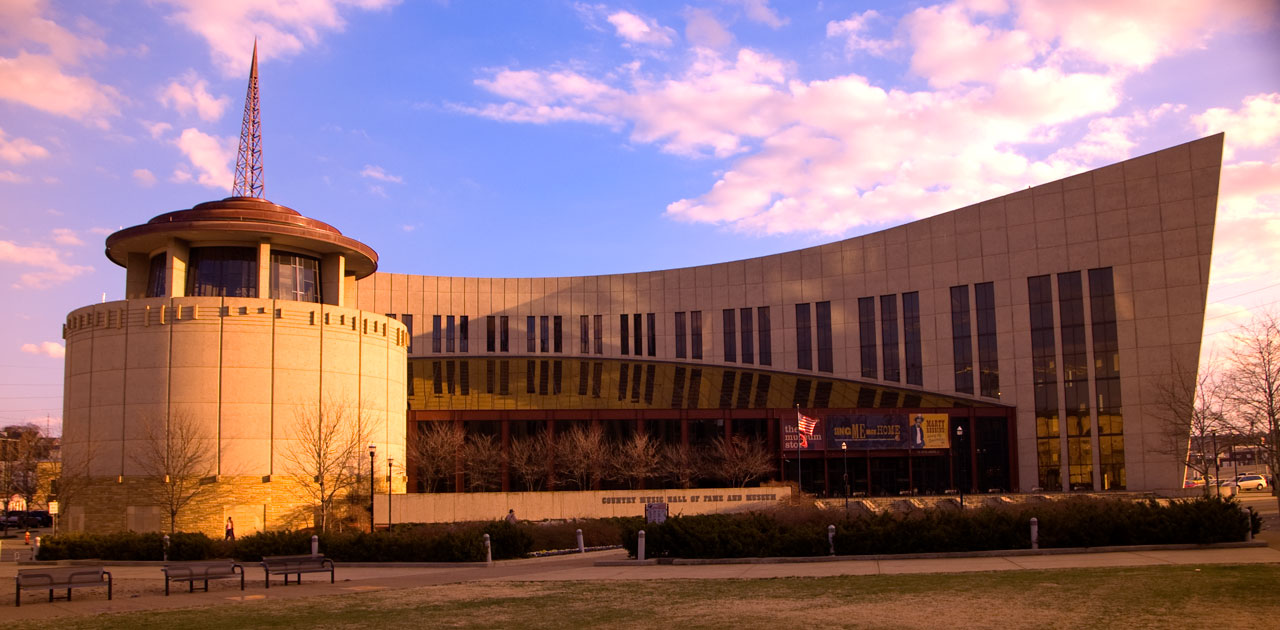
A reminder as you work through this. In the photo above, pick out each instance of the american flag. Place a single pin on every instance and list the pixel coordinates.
(806, 425)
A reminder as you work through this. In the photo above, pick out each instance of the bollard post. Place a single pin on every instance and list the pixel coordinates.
(1035, 533)
(35, 553)
(581, 548)
(640, 546)
(831, 538)
(1248, 536)
(315, 546)
(166, 548)
(488, 551)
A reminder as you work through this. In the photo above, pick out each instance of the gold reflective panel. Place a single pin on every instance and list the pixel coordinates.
(553, 382)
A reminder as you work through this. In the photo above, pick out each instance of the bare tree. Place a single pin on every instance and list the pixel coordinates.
(528, 460)
(28, 447)
(1254, 385)
(636, 460)
(682, 464)
(739, 460)
(482, 455)
(74, 466)
(331, 437)
(582, 455)
(436, 448)
(175, 457)
(1190, 412)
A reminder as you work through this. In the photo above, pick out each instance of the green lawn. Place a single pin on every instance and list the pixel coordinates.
(1211, 596)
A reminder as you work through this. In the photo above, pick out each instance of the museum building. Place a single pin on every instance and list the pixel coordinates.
(1011, 345)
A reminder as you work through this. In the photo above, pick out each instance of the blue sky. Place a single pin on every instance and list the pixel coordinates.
(565, 138)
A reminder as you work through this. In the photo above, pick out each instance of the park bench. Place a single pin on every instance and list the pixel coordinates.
(295, 565)
(60, 577)
(205, 570)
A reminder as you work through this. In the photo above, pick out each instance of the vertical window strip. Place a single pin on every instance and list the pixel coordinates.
(695, 335)
(490, 333)
(804, 338)
(1075, 381)
(681, 341)
(408, 327)
(911, 343)
(825, 362)
(653, 334)
(889, 337)
(623, 336)
(544, 328)
(598, 329)
(638, 333)
(766, 342)
(961, 339)
(730, 337)
(1106, 378)
(584, 334)
(557, 334)
(988, 357)
(464, 334)
(449, 344)
(435, 333)
(867, 336)
(530, 335)
(748, 353)
(1045, 383)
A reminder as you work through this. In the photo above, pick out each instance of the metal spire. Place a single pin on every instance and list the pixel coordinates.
(249, 182)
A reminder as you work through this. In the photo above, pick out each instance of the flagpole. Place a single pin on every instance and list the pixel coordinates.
(799, 488)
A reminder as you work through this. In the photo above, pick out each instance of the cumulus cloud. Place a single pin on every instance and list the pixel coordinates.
(1255, 124)
(19, 150)
(39, 81)
(144, 177)
(284, 29)
(190, 93)
(641, 30)
(760, 11)
(43, 75)
(1012, 98)
(10, 177)
(51, 349)
(50, 265)
(65, 236)
(854, 29)
(210, 156)
(376, 172)
(703, 29)
(156, 129)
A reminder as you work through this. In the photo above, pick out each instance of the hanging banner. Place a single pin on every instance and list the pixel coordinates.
(890, 431)
(791, 438)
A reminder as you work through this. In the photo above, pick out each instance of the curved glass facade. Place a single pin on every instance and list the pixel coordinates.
(295, 277)
(222, 272)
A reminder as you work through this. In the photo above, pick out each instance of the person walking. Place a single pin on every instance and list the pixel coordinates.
(511, 516)
(231, 530)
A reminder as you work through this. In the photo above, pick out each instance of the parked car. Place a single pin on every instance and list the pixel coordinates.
(40, 518)
(1198, 482)
(1249, 482)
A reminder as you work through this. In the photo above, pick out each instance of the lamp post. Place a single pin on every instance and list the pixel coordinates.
(844, 454)
(960, 434)
(373, 450)
(1216, 471)
(389, 462)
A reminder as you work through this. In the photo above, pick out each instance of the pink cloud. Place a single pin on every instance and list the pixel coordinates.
(39, 81)
(284, 29)
(190, 94)
(210, 156)
(51, 267)
(641, 30)
(50, 349)
(19, 150)
(949, 49)
(66, 236)
(1255, 124)
(853, 29)
(760, 11)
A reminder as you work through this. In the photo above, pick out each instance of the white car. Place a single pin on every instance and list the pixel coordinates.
(1249, 482)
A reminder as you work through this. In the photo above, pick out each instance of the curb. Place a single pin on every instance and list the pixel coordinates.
(939, 555)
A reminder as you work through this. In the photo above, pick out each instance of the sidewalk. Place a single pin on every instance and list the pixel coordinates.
(140, 588)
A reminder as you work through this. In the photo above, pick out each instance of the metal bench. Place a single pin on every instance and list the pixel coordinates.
(60, 577)
(295, 565)
(205, 570)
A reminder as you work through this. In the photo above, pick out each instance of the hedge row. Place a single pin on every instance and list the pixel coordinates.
(462, 542)
(1076, 522)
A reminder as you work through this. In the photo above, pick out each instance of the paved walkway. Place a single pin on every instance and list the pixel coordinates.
(140, 588)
